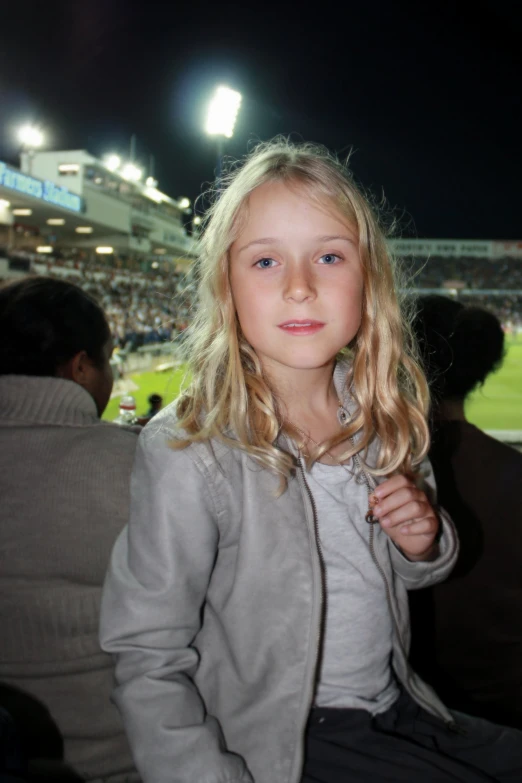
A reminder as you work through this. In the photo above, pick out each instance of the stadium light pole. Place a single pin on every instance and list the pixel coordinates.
(221, 119)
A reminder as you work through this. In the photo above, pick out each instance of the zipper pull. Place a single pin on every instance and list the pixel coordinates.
(372, 501)
(369, 518)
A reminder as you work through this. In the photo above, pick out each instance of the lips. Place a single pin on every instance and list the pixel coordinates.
(301, 326)
(301, 322)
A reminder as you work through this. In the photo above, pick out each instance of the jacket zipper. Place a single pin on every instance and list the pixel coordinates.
(322, 607)
(321, 559)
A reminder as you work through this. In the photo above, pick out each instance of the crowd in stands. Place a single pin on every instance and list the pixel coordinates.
(507, 308)
(142, 308)
(475, 273)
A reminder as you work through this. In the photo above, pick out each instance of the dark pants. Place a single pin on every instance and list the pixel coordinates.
(406, 743)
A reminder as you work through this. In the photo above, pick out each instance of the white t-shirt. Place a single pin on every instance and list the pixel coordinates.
(355, 669)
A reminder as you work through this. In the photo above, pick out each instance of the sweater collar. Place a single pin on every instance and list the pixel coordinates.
(31, 400)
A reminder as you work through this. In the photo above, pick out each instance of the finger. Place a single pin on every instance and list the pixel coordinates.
(406, 513)
(399, 498)
(390, 486)
(420, 527)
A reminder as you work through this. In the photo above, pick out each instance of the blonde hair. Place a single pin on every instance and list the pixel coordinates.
(230, 399)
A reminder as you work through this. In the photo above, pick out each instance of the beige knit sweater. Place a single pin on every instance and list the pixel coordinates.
(64, 490)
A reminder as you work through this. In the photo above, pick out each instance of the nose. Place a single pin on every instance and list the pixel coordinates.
(299, 284)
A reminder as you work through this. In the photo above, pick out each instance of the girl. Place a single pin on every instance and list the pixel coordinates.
(257, 601)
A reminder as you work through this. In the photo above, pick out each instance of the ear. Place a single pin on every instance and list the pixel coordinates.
(77, 369)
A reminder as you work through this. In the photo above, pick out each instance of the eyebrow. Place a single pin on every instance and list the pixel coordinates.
(274, 240)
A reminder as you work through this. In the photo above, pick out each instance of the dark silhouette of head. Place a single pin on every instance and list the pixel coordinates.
(155, 402)
(52, 328)
(459, 346)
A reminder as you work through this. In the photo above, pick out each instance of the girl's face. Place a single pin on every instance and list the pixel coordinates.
(296, 280)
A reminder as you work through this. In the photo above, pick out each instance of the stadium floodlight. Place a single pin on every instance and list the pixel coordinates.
(112, 162)
(222, 112)
(184, 203)
(4, 203)
(151, 182)
(55, 222)
(30, 136)
(104, 251)
(196, 226)
(84, 229)
(44, 249)
(24, 212)
(131, 172)
(154, 194)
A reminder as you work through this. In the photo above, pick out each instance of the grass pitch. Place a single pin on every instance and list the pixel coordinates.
(498, 404)
(168, 384)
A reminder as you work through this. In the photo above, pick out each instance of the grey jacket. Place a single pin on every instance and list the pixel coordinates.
(213, 606)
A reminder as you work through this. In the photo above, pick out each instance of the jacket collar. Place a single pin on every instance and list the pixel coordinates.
(35, 400)
(340, 377)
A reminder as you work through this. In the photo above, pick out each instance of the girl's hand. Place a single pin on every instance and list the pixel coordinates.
(406, 516)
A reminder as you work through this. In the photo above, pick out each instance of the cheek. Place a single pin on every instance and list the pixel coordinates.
(248, 300)
(348, 306)
(247, 319)
(347, 294)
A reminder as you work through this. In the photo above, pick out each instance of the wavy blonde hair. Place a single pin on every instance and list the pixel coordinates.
(230, 399)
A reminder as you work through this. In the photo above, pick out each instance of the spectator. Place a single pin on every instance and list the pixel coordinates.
(64, 478)
(155, 402)
(475, 631)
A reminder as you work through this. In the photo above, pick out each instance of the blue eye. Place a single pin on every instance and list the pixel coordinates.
(329, 258)
(265, 263)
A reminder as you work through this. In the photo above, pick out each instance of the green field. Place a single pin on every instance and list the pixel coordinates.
(165, 383)
(497, 406)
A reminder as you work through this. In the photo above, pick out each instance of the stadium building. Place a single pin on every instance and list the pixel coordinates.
(70, 205)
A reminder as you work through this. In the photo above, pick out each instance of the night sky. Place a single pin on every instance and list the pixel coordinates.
(426, 95)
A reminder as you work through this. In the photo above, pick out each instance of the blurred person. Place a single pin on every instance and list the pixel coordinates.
(155, 402)
(64, 482)
(470, 647)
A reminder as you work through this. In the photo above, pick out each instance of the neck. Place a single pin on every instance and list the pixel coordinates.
(308, 401)
(451, 410)
(306, 393)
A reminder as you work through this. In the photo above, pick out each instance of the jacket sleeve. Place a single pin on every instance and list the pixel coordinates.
(425, 573)
(151, 609)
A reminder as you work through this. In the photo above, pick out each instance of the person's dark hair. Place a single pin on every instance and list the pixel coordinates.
(44, 323)
(459, 346)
